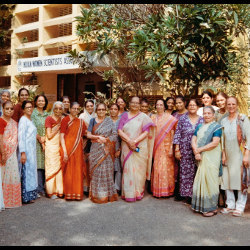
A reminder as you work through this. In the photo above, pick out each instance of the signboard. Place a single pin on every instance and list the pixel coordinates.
(56, 62)
(45, 63)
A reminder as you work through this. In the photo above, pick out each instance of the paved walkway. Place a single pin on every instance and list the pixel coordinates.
(150, 221)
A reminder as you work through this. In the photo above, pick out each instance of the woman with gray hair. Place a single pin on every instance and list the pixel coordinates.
(4, 97)
(53, 171)
(207, 151)
(235, 158)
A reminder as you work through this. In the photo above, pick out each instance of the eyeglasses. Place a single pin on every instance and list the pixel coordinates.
(29, 107)
(136, 103)
(101, 109)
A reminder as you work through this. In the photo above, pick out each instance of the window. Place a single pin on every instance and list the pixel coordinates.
(4, 81)
(5, 59)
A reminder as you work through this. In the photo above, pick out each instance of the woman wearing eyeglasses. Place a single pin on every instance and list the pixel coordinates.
(73, 164)
(10, 181)
(27, 154)
(183, 150)
(103, 135)
(136, 130)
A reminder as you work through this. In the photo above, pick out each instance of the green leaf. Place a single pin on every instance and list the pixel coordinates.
(236, 18)
(181, 61)
(160, 76)
(186, 59)
(189, 53)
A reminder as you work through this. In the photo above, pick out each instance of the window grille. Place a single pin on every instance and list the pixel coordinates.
(65, 29)
(64, 49)
(65, 11)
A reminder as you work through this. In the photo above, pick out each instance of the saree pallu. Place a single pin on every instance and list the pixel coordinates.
(136, 165)
(53, 170)
(2, 207)
(206, 182)
(86, 117)
(75, 169)
(11, 184)
(163, 173)
(101, 164)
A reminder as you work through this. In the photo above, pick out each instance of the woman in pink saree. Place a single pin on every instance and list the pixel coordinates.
(10, 180)
(163, 172)
(136, 130)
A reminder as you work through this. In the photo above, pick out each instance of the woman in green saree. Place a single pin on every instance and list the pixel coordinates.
(207, 150)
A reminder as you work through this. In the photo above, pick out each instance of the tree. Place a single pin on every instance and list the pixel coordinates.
(6, 15)
(181, 46)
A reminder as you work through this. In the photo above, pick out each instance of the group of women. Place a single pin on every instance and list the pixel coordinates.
(191, 153)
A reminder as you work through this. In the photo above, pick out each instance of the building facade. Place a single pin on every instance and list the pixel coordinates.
(42, 35)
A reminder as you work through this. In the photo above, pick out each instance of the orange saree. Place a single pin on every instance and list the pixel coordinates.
(75, 168)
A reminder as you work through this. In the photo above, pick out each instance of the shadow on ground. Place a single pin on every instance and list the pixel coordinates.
(147, 222)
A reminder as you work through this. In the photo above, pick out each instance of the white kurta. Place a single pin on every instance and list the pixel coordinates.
(231, 178)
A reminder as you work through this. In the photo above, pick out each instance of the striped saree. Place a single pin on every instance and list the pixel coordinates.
(101, 163)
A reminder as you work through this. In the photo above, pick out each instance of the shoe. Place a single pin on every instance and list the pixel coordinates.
(38, 196)
(227, 210)
(237, 213)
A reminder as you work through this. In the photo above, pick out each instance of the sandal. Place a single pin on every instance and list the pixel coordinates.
(226, 210)
(237, 213)
(209, 214)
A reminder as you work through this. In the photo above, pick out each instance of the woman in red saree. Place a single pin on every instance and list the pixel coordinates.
(163, 176)
(73, 164)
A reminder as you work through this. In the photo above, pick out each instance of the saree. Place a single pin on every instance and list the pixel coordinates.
(2, 207)
(163, 172)
(136, 165)
(11, 184)
(53, 170)
(101, 163)
(86, 117)
(206, 182)
(75, 169)
(243, 141)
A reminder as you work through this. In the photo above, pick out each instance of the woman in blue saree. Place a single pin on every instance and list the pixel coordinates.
(207, 150)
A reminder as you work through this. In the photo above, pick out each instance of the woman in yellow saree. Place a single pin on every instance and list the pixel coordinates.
(207, 150)
(53, 170)
(136, 130)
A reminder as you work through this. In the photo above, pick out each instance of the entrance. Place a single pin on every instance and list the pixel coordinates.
(73, 86)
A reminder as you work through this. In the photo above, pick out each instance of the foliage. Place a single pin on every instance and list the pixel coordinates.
(6, 15)
(182, 46)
